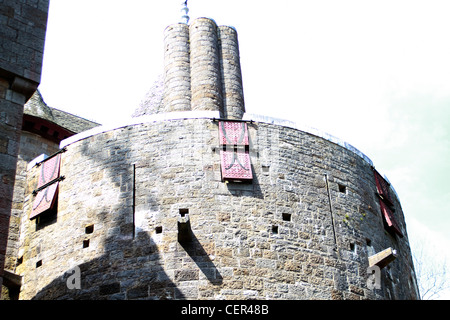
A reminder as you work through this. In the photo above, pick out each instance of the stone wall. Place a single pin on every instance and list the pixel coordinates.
(22, 35)
(42, 130)
(24, 24)
(31, 146)
(11, 109)
(303, 229)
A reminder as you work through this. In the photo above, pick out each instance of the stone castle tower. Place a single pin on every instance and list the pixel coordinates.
(23, 26)
(199, 200)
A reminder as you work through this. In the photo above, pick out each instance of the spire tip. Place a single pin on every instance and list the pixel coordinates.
(185, 10)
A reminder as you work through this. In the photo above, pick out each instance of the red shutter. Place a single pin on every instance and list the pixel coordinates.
(382, 187)
(389, 218)
(235, 159)
(49, 170)
(236, 165)
(233, 133)
(45, 200)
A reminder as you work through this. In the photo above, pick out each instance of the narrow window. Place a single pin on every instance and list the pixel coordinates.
(158, 229)
(39, 263)
(286, 217)
(183, 212)
(342, 188)
(275, 229)
(89, 229)
(85, 243)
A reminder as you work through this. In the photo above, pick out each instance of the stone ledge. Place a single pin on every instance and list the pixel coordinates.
(180, 115)
(383, 258)
(307, 129)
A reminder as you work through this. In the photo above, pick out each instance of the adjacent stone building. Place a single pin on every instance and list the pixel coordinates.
(23, 26)
(43, 128)
(196, 199)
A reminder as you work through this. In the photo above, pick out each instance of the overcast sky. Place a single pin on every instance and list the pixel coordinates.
(373, 73)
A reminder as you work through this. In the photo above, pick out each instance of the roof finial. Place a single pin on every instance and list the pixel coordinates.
(185, 11)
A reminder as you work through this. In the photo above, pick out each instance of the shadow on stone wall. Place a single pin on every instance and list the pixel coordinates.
(115, 276)
(247, 189)
(131, 267)
(201, 258)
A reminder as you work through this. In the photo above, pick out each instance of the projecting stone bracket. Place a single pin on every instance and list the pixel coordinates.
(13, 282)
(184, 228)
(10, 279)
(383, 258)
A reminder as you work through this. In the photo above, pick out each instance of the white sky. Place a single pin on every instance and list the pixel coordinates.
(373, 73)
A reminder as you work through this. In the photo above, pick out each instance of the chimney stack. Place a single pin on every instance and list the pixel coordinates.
(202, 69)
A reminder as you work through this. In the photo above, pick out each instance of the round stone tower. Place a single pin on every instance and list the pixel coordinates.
(209, 202)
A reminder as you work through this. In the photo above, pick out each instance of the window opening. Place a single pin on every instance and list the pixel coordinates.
(89, 229)
(183, 212)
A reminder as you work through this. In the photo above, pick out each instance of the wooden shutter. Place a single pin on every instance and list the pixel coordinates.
(236, 164)
(386, 203)
(233, 133)
(49, 170)
(234, 156)
(45, 200)
(48, 184)
(389, 218)
(383, 188)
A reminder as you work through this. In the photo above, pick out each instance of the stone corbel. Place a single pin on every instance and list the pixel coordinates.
(383, 258)
(24, 86)
(11, 280)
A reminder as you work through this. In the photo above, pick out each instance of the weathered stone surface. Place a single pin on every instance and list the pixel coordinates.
(235, 251)
(22, 34)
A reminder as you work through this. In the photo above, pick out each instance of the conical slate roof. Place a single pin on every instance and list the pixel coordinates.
(37, 107)
(152, 101)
